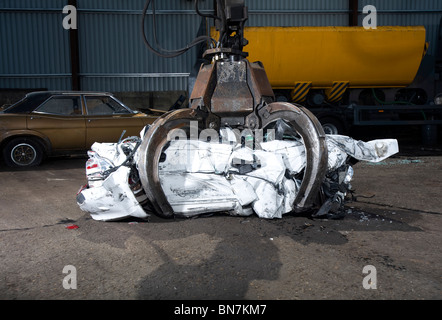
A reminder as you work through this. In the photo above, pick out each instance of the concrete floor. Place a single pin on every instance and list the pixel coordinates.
(395, 226)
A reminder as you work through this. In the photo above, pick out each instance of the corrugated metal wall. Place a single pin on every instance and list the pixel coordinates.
(114, 58)
(287, 13)
(35, 49)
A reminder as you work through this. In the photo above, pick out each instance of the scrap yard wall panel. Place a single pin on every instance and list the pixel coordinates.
(287, 13)
(35, 49)
(114, 57)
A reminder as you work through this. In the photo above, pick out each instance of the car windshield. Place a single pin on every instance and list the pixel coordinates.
(27, 104)
(105, 106)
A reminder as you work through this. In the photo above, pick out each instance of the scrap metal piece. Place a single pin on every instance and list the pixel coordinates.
(113, 200)
(200, 177)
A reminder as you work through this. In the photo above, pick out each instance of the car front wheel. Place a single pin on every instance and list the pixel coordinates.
(331, 125)
(23, 152)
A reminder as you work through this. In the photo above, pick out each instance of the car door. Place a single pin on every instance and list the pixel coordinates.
(61, 119)
(107, 119)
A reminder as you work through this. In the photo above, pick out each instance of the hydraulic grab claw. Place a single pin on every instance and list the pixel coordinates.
(232, 92)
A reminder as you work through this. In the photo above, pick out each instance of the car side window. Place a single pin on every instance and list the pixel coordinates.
(66, 106)
(104, 106)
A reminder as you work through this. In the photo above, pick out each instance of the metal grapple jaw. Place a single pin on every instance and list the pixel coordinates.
(231, 92)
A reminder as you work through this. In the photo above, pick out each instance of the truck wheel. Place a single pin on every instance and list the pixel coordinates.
(23, 152)
(331, 125)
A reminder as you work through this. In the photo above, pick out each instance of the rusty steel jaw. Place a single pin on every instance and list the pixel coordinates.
(233, 93)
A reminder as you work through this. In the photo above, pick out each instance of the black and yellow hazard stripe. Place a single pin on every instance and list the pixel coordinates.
(337, 90)
(299, 93)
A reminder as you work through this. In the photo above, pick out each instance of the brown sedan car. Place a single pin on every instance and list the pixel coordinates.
(47, 123)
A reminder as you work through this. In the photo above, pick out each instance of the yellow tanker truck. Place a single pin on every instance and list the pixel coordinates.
(349, 75)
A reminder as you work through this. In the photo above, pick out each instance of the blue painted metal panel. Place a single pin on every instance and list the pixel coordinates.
(34, 47)
(33, 44)
(115, 47)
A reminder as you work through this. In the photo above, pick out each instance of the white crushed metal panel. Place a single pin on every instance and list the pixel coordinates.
(113, 199)
(195, 193)
(200, 177)
(372, 151)
(293, 153)
(265, 189)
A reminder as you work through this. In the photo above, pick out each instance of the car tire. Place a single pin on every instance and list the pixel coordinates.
(331, 125)
(23, 152)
